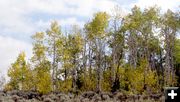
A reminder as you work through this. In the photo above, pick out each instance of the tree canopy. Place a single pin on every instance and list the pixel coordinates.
(136, 53)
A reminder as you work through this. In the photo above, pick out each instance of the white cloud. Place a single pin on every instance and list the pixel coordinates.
(43, 25)
(71, 21)
(66, 7)
(164, 4)
(10, 48)
(60, 7)
(15, 15)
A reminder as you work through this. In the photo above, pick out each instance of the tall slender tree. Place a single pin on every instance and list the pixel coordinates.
(96, 32)
(41, 64)
(53, 34)
(116, 43)
(169, 30)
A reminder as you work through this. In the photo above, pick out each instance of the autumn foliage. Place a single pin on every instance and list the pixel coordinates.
(138, 54)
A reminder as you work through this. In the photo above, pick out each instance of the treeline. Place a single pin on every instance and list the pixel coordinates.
(136, 53)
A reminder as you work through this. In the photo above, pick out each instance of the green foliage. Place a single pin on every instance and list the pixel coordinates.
(20, 74)
(44, 82)
(89, 82)
(54, 30)
(41, 73)
(170, 19)
(138, 80)
(97, 27)
(132, 58)
(141, 78)
(133, 21)
(106, 83)
(65, 85)
(177, 51)
(38, 48)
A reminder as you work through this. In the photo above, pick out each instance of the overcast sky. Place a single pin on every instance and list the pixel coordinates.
(19, 19)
